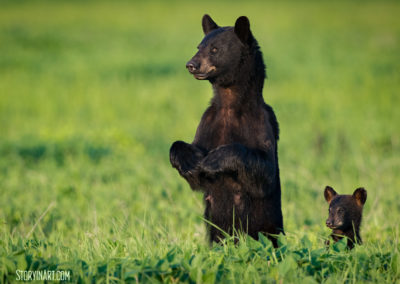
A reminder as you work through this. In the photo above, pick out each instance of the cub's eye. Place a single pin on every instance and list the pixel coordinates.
(340, 210)
(214, 50)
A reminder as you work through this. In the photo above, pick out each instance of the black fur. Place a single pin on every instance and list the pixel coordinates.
(233, 158)
(345, 214)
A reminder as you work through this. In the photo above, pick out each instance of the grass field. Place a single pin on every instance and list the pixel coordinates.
(92, 94)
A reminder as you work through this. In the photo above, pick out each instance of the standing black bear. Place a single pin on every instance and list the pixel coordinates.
(233, 158)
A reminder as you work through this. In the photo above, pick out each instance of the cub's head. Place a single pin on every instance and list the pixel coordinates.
(224, 51)
(344, 210)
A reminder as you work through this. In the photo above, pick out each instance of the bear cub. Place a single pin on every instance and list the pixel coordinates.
(345, 213)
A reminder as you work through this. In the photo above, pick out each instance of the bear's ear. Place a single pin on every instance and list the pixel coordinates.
(329, 193)
(208, 24)
(360, 195)
(242, 29)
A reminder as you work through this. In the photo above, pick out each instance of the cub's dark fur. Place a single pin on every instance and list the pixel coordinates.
(345, 214)
(233, 159)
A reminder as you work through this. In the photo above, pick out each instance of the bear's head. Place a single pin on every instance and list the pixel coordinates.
(226, 54)
(345, 211)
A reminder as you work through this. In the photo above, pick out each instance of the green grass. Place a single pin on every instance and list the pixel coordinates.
(92, 94)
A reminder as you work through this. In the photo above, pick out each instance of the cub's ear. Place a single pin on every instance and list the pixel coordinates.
(242, 29)
(208, 24)
(329, 193)
(360, 195)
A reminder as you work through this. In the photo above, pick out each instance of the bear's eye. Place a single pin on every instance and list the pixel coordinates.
(214, 50)
(340, 210)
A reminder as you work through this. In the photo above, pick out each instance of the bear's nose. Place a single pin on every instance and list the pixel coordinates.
(328, 223)
(191, 66)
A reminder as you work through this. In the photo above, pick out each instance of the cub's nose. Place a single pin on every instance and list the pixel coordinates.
(328, 223)
(192, 66)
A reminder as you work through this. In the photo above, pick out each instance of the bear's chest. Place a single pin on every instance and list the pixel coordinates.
(230, 127)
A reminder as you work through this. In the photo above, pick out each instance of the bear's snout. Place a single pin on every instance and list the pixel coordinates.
(329, 223)
(192, 66)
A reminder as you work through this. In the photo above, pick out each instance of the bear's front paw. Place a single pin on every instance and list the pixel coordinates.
(210, 165)
(184, 157)
(174, 153)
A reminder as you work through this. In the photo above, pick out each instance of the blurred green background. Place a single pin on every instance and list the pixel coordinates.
(93, 93)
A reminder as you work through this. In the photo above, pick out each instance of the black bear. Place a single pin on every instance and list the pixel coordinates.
(345, 213)
(233, 159)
